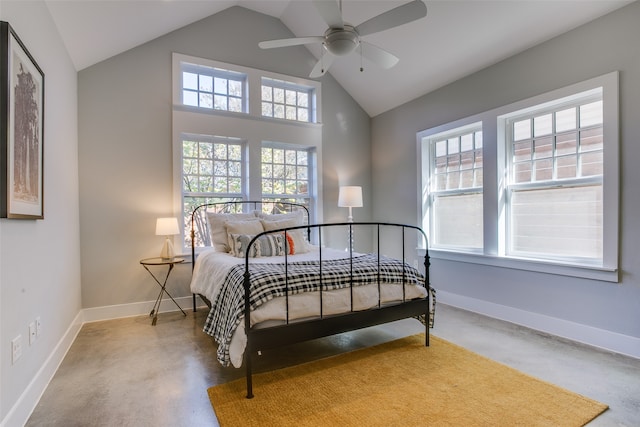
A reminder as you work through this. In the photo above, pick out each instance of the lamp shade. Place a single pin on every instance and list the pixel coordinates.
(350, 196)
(167, 226)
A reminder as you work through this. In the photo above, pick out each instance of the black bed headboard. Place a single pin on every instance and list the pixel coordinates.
(199, 231)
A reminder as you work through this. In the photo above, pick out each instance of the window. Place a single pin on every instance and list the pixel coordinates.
(213, 88)
(286, 173)
(220, 152)
(455, 190)
(533, 185)
(285, 100)
(212, 171)
(554, 180)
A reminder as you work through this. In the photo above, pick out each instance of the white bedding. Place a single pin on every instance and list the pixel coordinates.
(211, 269)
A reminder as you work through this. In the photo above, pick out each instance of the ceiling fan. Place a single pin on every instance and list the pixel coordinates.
(341, 38)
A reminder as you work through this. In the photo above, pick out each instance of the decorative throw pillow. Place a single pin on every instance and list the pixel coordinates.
(264, 246)
(297, 243)
(217, 230)
(248, 227)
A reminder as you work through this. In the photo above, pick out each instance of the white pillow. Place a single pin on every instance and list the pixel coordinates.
(246, 227)
(298, 216)
(296, 243)
(217, 229)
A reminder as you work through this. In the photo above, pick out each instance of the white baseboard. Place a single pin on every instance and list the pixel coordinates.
(109, 312)
(21, 411)
(612, 341)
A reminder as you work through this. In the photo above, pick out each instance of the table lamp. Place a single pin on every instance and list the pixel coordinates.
(350, 197)
(167, 227)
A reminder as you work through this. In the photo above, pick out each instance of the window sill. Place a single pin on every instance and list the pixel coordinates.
(580, 271)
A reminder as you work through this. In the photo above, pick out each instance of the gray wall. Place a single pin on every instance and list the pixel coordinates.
(40, 260)
(125, 146)
(604, 45)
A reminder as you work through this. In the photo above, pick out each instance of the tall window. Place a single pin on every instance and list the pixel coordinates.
(286, 173)
(213, 88)
(212, 171)
(455, 190)
(219, 131)
(289, 101)
(555, 176)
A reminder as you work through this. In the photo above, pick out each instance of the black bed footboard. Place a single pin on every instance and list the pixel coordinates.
(297, 331)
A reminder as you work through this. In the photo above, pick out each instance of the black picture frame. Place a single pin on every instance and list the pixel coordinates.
(21, 129)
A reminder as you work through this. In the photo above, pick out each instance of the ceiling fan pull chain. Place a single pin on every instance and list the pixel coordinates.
(361, 68)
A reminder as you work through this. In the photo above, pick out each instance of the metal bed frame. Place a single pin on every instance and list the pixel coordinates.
(322, 326)
(232, 207)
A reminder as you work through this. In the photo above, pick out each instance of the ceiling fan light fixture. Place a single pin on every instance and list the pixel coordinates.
(341, 41)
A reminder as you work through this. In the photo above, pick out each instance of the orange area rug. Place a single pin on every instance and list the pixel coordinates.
(401, 383)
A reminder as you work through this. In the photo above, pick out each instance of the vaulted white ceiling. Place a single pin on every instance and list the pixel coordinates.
(455, 39)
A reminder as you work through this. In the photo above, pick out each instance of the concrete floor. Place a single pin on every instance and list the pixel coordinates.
(126, 372)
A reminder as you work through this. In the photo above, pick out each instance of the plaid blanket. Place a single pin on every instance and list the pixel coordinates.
(270, 280)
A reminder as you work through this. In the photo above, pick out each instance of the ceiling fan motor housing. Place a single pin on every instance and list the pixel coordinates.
(341, 41)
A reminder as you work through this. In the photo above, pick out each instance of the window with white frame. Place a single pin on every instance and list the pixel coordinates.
(455, 188)
(548, 200)
(286, 173)
(212, 171)
(213, 88)
(287, 100)
(207, 95)
(554, 194)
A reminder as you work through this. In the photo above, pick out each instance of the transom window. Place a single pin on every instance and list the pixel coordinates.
(213, 88)
(285, 100)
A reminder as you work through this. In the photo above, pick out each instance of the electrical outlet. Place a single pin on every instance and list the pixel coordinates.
(38, 326)
(32, 333)
(16, 349)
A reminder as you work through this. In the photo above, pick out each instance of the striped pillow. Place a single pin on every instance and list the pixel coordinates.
(267, 245)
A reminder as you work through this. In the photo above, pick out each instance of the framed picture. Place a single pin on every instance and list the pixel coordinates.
(21, 129)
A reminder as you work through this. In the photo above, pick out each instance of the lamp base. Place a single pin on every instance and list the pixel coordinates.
(167, 251)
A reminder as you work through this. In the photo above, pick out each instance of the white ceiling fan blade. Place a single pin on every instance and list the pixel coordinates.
(270, 44)
(330, 12)
(322, 66)
(377, 55)
(395, 17)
